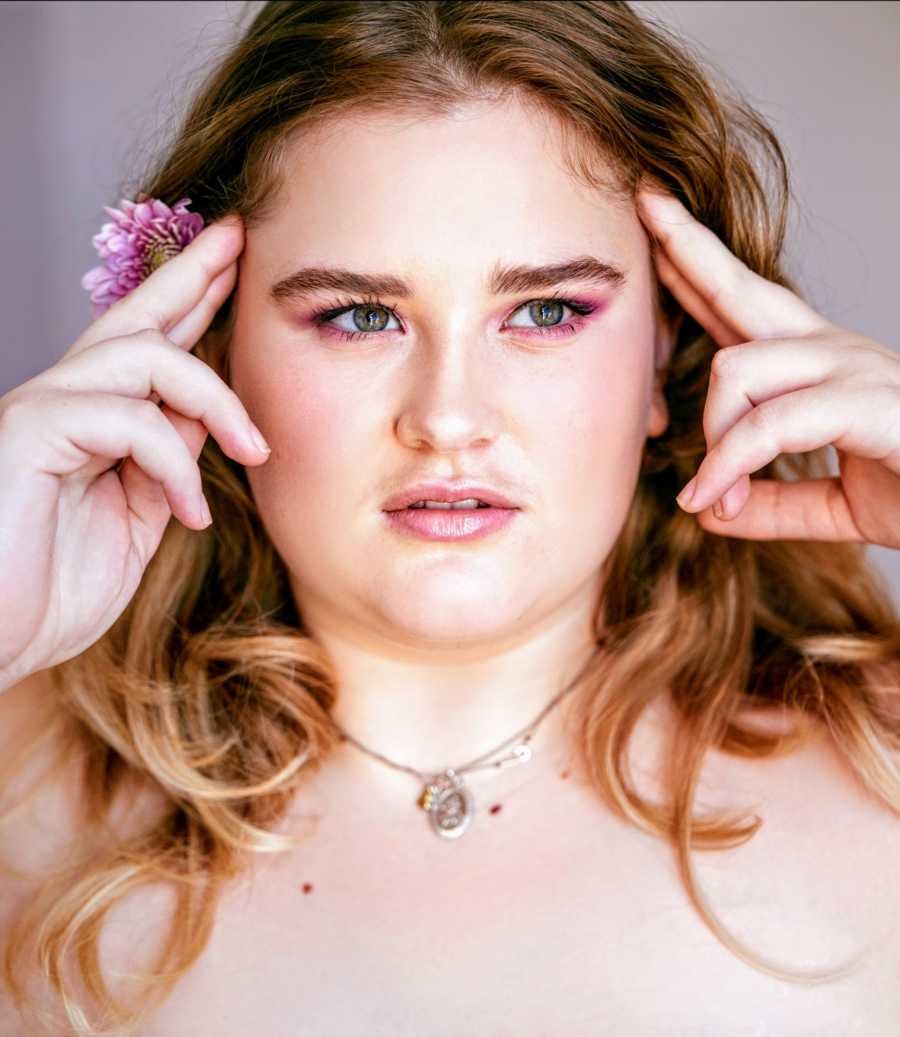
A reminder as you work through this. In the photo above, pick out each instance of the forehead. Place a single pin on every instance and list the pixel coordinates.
(488, 180)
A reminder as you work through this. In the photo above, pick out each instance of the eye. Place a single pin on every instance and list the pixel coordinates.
(548, 313)
(362, 319)
(368, 318)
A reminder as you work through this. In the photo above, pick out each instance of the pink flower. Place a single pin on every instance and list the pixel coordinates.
(141, 238)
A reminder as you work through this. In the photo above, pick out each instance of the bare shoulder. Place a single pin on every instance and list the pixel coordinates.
(34, 813)
(42, 753)
(829, 847)
(41, 809)
(31, 739)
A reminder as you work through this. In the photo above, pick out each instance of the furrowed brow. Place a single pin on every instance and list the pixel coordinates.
(503, 280)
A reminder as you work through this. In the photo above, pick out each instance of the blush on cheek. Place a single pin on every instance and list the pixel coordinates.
(320, 441)
(296, 413)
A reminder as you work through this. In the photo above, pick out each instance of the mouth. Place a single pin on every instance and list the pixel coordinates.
(435, 523)
(445, 506)
(441, 498)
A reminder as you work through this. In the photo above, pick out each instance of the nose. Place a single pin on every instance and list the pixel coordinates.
(452, 402)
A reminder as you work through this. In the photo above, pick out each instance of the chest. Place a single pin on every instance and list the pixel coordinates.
(533, 926)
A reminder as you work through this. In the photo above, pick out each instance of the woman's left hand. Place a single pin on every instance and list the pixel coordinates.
(785, 380)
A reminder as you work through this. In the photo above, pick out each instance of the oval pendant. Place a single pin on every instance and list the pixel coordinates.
(449, 804)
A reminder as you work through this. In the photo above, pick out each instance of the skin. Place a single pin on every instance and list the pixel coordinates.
(444, 650)
(784, 379)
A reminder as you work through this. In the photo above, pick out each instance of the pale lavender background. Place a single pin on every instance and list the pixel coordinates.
(90, 88)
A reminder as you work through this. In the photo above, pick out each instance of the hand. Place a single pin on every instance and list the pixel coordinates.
(77, 530)
(785, 380)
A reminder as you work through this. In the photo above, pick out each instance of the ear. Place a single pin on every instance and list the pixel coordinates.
(665, 336)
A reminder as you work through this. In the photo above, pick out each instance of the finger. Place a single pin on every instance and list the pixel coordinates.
(146, 361)
(743, 376)
(812, 509)
(746, 375)
(722, 334)
(146, 496)
(73, 436)
(859, 420)
(173, 290)
(188, 331)
(754, 306)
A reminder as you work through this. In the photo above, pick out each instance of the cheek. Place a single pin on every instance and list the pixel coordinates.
(311, 417)
(592, 430)
(600, 407)
(315, 434)
(592, 448)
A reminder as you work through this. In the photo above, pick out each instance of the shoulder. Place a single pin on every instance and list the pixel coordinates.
(43, 816)
(33, 804)
(816, 881)
(42, 755)
(32, 811)
(824, 858)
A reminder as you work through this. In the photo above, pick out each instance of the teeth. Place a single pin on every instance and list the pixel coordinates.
(472, 502)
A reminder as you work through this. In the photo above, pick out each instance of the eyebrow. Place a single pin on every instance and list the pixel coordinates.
(502, 279)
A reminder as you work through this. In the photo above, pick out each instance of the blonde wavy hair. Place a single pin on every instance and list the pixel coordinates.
(209, 690)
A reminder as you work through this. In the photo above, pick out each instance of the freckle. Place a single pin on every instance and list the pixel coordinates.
(307, 887)
(496, 808)
(564, 774)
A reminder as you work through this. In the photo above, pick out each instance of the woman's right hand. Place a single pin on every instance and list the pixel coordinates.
(77, 529)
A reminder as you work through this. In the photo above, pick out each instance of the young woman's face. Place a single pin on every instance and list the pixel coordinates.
(459, 375)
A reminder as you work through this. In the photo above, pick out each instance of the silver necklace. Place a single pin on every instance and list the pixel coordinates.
(445, 797)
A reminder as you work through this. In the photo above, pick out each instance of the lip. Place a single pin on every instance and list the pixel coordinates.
(448, 491)
(450, 524)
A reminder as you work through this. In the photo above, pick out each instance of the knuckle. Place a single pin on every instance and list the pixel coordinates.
(763, 418)
(141, 346)
(148, 413)
(140, 315)
(152, 339)
(196, 363)
(212, 383)
(128, 350)
(724, 360)
(144, 330)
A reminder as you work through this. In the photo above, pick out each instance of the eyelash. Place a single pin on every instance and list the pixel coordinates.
(322, 317)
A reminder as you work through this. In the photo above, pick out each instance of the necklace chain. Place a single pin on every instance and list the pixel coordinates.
(522, 737)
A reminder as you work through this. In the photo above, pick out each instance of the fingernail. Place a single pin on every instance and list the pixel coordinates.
(205, 516)
(728, 505)
(259, 439)
(684, 498)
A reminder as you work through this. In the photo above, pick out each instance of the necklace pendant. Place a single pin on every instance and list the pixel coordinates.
(449, 804)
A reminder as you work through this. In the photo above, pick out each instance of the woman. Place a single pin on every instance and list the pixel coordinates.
(335, 762)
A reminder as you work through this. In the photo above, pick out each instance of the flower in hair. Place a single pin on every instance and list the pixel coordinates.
(143, 235)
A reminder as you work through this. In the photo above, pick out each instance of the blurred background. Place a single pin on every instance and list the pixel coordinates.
(92, 90)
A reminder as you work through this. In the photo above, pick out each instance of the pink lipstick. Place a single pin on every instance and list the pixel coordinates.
(450, 524)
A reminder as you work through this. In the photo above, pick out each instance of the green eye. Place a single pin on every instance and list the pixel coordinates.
(370, 318)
